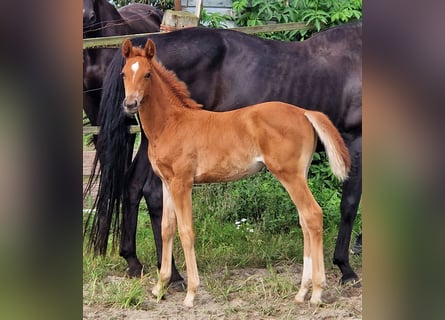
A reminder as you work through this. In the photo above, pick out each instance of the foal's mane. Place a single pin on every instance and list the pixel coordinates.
(177, 87)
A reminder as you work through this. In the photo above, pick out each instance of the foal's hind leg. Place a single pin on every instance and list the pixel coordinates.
(306, 277)
(311, 220)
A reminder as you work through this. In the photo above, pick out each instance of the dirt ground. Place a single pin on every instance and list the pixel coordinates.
(257, 302)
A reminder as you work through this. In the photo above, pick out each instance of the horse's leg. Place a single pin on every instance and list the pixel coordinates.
(168, 232)
(181, 195)
(311, 221)
(352, 190)
(311, 218)
(153, 195)
(306, 277)
(135, 179)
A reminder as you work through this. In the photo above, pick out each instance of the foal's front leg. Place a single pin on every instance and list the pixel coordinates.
(168, 232)
(181, 194)
(178, 205)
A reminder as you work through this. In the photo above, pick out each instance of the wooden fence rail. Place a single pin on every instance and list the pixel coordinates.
(87, 129)
(116, 41)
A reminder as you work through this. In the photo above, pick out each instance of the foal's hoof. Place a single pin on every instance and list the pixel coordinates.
(298, 299)
(158, 292)
(188, 301)
(315, 301)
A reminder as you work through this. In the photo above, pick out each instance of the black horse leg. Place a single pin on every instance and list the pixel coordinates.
(153, 195)
(141, 180)
(352, 190)
(135, 180)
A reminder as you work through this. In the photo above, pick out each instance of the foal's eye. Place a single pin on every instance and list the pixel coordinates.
(147, 75)
(123, 75)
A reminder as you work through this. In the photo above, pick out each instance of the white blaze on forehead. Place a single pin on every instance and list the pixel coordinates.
(135, 66)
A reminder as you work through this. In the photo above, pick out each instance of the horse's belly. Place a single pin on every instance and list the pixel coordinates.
(227, 171)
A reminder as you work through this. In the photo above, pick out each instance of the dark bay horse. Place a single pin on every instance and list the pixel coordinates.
(102, 19)
(226, 70)
(191, 145)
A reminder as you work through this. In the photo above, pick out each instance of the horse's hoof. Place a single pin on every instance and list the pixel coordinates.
(135, 271)
(316, 301)
(177, 286)
(158, 292)
(299, 299)
(349, 278)
(301, 295)
(188, 301)
(352, 282)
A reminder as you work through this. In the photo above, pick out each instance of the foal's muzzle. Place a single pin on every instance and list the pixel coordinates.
(131, 107)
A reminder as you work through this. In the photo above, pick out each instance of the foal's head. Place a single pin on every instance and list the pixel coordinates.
(136, 73)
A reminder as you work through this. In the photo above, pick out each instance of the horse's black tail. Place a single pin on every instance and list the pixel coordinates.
(114, 148)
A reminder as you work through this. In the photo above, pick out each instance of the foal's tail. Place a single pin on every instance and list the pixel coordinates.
(335, 147)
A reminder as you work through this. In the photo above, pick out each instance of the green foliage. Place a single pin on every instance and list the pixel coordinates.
(319, 13)
(214, 19)
(161, 4)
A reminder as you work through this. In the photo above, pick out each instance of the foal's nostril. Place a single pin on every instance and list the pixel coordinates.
(93, 16)
(130, 107)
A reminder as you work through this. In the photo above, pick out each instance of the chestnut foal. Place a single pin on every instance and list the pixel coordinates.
(190, 145)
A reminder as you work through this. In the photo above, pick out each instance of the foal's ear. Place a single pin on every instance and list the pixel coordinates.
(150, 49)
(127, 48)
